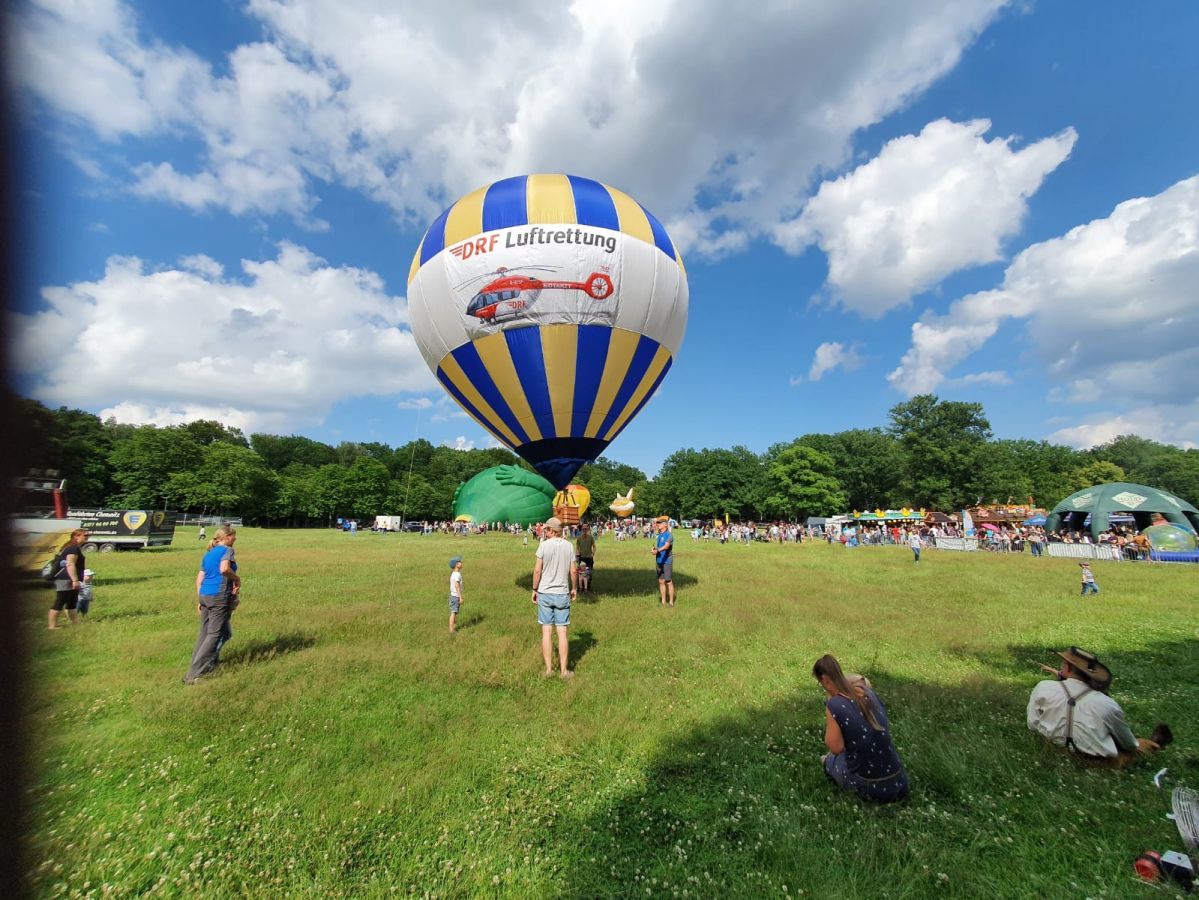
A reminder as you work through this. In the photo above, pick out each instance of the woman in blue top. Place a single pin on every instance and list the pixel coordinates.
(862, 757)
(217, 588)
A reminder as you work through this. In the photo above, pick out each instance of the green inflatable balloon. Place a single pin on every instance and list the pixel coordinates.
(504, 494)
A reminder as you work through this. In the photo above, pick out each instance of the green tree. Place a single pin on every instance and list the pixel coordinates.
(707, 484)
(328, 493)
(1135, 455)
(943, 443)
(1095, 472)
(296, 500)
(144, 462)
(868, 462)
(801, 483)
(207, 431)
(366, 486)
(1176, 471)
(280, 452)
(71, 442)
(231, 480)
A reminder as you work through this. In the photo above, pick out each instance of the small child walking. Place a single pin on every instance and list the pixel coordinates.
(1088, 580)
(455, 592)
(85, 594)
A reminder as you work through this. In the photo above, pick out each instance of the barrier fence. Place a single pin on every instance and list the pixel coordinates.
(1084, 551)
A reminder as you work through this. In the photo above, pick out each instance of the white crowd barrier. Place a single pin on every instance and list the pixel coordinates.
(1084, 551)
(951, 543)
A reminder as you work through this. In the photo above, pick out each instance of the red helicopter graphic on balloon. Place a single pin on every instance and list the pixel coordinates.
(508, 295)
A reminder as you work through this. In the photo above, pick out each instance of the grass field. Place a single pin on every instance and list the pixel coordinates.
(348, 746)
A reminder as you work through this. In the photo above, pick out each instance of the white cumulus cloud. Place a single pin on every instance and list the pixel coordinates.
(273, 349)
(927, 206)
(829, 356)
(1110, 315)
(716, 119)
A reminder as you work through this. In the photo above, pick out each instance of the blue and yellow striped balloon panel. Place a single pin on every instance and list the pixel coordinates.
(541, 200)
(557, 394)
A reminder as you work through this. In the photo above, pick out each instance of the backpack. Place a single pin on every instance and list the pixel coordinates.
(51, 569)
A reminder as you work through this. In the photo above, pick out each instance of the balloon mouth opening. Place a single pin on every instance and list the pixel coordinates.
(559, 459)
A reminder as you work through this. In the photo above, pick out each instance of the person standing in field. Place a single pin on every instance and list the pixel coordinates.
(664, 557)
(916, 544)
(585, 550)
(1088, 580)
(455, 592)
(218, 587)
(555, 585)
(203, 532)
(69, 577)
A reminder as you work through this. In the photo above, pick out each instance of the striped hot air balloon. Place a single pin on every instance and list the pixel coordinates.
(550, 308)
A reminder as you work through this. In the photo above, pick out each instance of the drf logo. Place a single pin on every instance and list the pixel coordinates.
(484, 244)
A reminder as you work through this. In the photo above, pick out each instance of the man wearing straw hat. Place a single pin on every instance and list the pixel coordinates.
(555, 584)
(1073, 710)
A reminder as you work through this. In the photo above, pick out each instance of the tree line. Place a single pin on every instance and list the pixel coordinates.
(932, 454)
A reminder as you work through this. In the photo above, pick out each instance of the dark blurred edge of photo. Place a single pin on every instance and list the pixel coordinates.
(12, 650)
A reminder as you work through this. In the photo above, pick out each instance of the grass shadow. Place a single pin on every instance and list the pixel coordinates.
(580, 642)
(130, 579)
(102, 616)
(471, 621)
(612, 583)
(256, 651)
(740, 806)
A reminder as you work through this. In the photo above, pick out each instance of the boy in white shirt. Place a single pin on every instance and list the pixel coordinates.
(455, 592)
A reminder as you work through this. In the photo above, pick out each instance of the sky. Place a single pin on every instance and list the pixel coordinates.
(991, 201)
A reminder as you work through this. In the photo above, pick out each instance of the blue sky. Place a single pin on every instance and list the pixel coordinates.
(996, 202)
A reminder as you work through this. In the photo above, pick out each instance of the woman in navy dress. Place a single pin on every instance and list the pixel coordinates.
(862, 757)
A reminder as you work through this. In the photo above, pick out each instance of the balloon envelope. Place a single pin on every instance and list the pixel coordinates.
(504, 494)
(550, 307)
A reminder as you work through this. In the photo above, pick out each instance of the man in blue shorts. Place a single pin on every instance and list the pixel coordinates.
(555, 584)
(664, 556)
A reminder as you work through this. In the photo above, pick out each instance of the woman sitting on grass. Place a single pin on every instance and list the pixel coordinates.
(862, 757)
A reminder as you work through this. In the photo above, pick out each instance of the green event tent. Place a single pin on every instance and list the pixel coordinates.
(1137, 500)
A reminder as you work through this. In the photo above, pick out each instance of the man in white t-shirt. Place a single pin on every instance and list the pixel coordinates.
(555, 584)
(1074, 711)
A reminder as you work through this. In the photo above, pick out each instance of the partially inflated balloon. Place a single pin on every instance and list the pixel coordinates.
(504, 494)
(550, 307)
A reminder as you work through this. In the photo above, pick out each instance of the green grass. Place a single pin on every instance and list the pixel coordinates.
(350, 747)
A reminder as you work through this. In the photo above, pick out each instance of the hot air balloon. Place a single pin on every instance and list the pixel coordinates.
(623, 506)
(504, 494)
(550, 307)
(570, 503)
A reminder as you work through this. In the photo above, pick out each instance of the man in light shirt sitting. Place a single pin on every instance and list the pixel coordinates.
(1074, 711)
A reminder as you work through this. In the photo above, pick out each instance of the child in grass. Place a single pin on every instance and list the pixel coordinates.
(1088, 580)
(85, 594)
(455, 592)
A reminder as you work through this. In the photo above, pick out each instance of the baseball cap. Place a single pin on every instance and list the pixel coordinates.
(553, 522)
(88, 572)
(454, 561)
